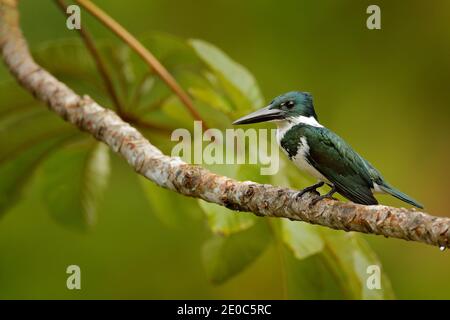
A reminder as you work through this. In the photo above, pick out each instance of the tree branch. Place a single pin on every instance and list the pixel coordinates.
(194, 181)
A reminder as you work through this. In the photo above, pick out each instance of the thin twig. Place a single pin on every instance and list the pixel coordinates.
(140, 88)
(145, 54)
(101, 67)
(131, 118)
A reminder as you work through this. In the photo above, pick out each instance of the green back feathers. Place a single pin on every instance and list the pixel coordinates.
(334, 159)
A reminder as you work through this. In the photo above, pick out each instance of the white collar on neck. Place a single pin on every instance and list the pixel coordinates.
(286, 125)
(305, 120)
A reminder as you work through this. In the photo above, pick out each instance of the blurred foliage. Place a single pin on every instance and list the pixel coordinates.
(190, 249)
(76, 174)
(226, 256)
(75, 177)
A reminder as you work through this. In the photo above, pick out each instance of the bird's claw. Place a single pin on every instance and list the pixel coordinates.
(309, 189)
(329, 195)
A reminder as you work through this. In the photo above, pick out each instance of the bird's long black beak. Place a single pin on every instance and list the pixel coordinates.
(264, 114)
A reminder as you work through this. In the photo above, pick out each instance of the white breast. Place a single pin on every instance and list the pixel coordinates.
(302, 163)
(303, 150)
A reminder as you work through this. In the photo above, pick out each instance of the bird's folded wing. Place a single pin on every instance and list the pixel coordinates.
(340, 164)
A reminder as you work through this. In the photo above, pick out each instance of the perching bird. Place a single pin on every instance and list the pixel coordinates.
(322, 153)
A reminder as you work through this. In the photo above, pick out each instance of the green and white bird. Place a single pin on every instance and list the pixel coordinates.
(322, 153)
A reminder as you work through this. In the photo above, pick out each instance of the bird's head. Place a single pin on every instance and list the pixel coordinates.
(284, 107)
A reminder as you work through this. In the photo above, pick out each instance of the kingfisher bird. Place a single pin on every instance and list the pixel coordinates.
(321, 153)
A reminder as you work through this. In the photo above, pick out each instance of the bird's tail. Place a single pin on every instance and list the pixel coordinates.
(400, 195)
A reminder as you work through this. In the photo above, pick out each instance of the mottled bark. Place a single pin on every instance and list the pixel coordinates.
(194, 181)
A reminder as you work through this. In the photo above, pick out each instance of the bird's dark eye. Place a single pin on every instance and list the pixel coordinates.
(290, 104)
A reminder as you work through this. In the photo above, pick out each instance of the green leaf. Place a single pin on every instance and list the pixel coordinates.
(236, 81)
(15, 98)
(69, 61)
(224, 221)
(138, 88)
(75, 178)
(363, 257)
(302, 238)
(169, 207)
(28, 133)
(149, 91)
(225, 257)
(310, 278)
(16, 171)
(211, 98)
(29, 126)
(173, 52)
(349, 256)
(179, 117)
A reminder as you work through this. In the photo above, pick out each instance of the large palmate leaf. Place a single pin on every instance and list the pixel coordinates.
(30, 134)
(141, 92)
(74, 175)
(224, 257)
(144, 95)
(74, 179)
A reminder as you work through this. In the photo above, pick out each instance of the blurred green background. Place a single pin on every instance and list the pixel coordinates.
(387, 92)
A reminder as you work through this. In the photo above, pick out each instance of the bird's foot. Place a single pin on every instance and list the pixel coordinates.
(328, 195)
(309, 189)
